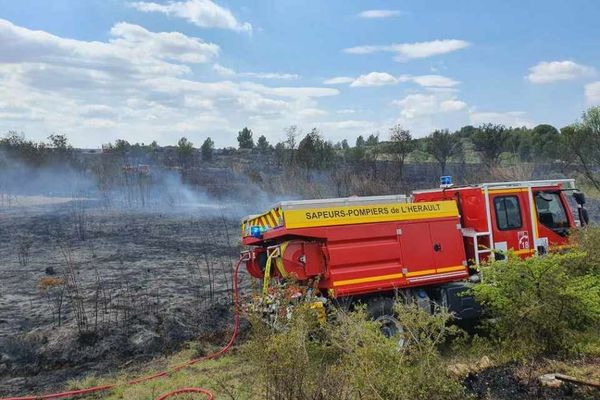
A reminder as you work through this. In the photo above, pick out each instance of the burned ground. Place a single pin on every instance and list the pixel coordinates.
(84, 288)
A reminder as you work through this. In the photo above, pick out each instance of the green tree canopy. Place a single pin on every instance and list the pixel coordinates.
(263, 145)
(207, 149)
(244, 139)
(360, 141)
(545, 141)
(582, 140)
(372, 140)
(314, 152)
(401, 145)
(489, 141)
(443, 145)
(185, 151)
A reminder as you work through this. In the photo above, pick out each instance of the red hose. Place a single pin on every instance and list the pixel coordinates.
(210, 396)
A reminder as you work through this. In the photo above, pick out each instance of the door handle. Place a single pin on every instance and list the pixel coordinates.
(437, 247)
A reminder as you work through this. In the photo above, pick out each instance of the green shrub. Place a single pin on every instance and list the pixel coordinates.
(349, 358)
(541, 305)
(587, 241)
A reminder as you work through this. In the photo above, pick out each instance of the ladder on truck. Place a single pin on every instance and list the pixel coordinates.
(488, 235)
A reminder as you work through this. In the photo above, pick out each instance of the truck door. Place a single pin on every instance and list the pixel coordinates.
(448, 246)
(511, 222)
(417, 248)
(553, 217)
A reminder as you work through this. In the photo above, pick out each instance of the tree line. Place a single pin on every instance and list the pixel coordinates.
(577, 144)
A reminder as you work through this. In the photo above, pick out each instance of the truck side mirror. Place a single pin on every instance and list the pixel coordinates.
(579, 198)
(584, 217)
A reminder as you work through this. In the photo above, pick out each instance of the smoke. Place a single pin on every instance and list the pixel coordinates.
(23, 185)
(208, 192)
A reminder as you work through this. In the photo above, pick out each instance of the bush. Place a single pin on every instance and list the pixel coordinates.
(349, 358)
(541, 305)
(588, 241)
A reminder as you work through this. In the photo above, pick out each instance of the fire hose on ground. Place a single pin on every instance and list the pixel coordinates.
(209, 395)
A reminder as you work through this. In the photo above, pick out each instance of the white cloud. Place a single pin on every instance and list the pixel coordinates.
(370, 14)
(338, 80)
(292, 92)
(311, 113)
(138, 85)
(385, 79)
(228, 72)
(269, 75)
(424, 112)
(420, 104)
(167, 45)
(592, 93)
(435, 81)
(553, 71)
(406, 51)
(203, 13)
(131, 49)
(223, 71)
(510, 118)
(375, 79)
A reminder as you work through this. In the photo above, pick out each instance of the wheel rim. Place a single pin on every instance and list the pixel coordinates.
(391, 328)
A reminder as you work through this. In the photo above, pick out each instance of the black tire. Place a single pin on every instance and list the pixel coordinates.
(381, 309)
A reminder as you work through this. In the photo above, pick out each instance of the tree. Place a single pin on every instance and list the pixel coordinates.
(489, 141)
(401, 145)
(314, 152)
(520, 143)
(60, 148)
(360, 141)
(545, 141)
(466, 132)
(207, 149)
(280, 153)
(582, 140)
(443, 145)
(263, 145)
(307, 149)
(372, 140)
(121, 147)
(185, 151)
(245, 139)
(59, 143)
(16, 146)
(358, 152)
(373, 153)
(291, 135)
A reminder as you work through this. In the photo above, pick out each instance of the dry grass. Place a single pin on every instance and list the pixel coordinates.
(225, 377)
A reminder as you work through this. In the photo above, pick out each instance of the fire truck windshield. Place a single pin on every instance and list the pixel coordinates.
(551, 211)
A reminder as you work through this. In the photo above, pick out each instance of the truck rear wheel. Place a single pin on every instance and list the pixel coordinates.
(381, 309)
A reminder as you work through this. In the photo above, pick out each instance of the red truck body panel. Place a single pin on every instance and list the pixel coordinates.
(365, 258)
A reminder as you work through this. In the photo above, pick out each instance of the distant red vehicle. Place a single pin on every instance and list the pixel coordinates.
(425, 246)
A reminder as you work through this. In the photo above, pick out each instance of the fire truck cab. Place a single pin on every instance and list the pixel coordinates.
(525, 217)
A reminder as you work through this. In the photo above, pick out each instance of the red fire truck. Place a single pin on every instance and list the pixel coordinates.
(425, 246)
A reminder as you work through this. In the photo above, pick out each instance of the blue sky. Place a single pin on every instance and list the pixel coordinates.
(159, 70)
